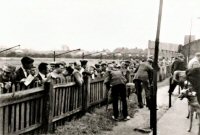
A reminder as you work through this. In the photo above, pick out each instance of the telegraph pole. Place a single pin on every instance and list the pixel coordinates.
(9, 48)
(153, 112)
(83, 55)
(54, 53)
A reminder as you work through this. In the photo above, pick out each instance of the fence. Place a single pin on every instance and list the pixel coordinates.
(41, 109)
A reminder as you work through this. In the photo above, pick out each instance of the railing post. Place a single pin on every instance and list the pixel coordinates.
(48, 108)
(170, 100)
(1, 114)
(86, 92)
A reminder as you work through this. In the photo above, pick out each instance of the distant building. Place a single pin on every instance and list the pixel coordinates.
(188, 38)
(166, 50)
(190, 49)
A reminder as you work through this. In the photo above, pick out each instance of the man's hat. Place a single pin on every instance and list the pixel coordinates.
(127, 62)
(103, 63)
(83, 62)
(150, 60)
(8, 68)
(27, 60)
(100, 62)
(97, 65)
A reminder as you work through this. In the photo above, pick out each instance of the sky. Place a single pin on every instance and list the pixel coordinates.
(95, 24)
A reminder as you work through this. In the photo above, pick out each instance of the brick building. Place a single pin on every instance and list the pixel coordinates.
(190, 48)
(166, 50)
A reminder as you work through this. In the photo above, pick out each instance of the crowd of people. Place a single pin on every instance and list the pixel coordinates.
(116, 75)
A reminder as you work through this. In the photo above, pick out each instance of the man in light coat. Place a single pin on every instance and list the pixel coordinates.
(194, 62)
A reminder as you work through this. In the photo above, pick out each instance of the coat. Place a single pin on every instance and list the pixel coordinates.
(193, 76)
(19, 74)
(193, 63)
(144, 72)
(114, 77)
(178, 65)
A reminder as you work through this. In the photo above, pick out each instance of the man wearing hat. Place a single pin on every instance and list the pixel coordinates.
(23, 71)
(194, 62)
(84, 69)
(83, 65)
(143, 76)
(178, 64)
(125, 69)
(97, 66)
(6, 78)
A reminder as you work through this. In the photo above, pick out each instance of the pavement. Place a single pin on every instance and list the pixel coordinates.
(174, 121)
(141, 118)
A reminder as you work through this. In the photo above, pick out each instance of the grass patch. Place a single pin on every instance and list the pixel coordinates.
(95, 122)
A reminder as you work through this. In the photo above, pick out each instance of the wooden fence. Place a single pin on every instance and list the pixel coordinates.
(41, 109)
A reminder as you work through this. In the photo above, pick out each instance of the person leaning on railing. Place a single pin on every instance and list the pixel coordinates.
(75, 73)
(6, 78)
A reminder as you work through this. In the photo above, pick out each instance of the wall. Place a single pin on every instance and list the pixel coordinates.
(194, 47)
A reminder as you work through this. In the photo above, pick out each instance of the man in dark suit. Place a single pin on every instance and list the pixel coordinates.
(24, 70)
(143, 76)
(43, 71)
(178, 64)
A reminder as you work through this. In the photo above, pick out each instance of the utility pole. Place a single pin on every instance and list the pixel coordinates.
(9, 48)
(83, 55)
(54, 53)
(189, 41)
(153, 111)
(54, 56)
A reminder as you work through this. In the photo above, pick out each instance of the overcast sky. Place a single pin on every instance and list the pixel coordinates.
(94, 24)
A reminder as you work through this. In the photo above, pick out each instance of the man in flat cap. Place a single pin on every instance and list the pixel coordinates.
(143, 76)
(6, 78)
(24, 70)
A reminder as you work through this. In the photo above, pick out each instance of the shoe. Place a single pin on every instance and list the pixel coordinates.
(113, 117)
(127, 118)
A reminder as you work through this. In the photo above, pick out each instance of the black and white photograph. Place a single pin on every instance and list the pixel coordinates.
(99, 67)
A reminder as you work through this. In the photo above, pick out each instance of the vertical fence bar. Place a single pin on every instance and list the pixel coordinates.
(86, 93)
(1, 120)
(48, 108)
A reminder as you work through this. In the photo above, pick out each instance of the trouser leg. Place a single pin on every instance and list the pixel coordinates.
(115, 101)
(172, 85)
(138, 88)
(122, 93)
(147, 92)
